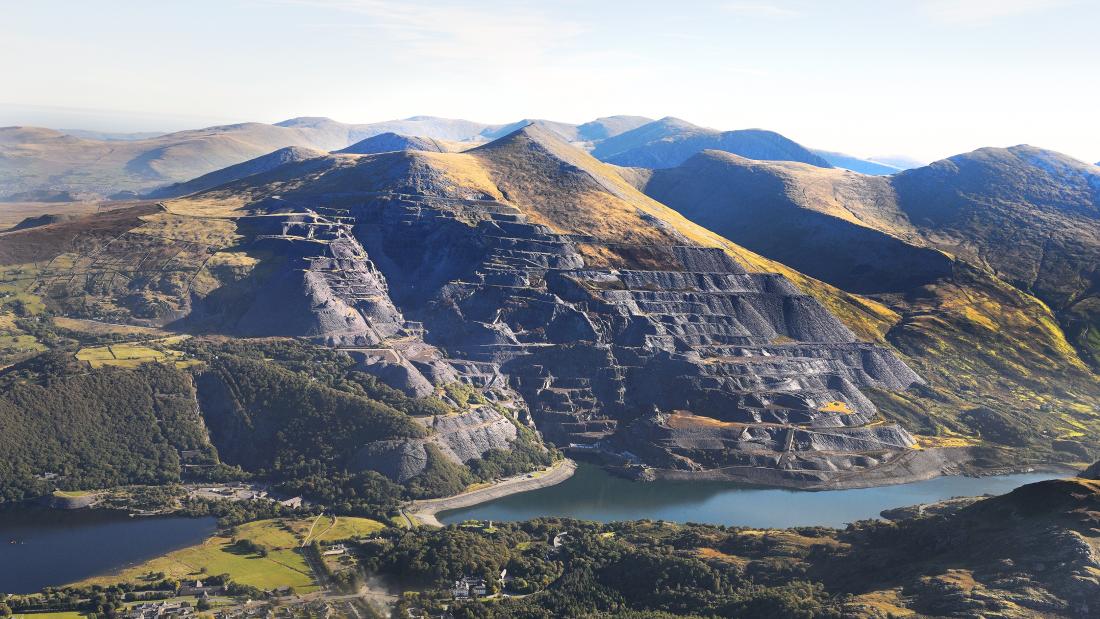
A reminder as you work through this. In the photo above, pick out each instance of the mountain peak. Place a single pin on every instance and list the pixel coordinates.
(531, 134)
(306, 121)
(392, 141)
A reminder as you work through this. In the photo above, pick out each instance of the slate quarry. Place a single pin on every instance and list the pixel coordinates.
(695, 366)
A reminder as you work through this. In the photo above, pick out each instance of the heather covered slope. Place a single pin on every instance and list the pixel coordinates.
(991, 349)
(1030, 216)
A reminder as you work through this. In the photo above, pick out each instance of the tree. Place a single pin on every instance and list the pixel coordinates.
(5, 610)
(203, 604)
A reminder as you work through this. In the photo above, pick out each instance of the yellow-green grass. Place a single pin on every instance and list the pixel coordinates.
(102, 328)
(20, 342)
(133, 354)
(292, 533)
(218, 555)
(72, 494)
(284, 565)
(64, 615)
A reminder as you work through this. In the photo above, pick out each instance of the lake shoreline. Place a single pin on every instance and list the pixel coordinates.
(594, 493)
(913, 466)
(424, 511)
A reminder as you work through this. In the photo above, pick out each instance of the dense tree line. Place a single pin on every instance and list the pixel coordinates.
(278, 410)
(65, 425)
(268, 419)
(640, 569)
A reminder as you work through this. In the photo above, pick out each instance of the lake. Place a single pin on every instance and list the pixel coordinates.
(594, 494)
(42, 547)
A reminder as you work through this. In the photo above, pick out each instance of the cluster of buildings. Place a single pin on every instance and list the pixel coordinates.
(468, 587)
(160, 610)
(471, 587)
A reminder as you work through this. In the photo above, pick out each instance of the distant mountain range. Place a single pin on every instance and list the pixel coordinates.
(37, 163)
(855, 164)
(670, 141)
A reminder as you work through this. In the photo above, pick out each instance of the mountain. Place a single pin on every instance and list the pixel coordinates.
(938, 246)
(855, 164)
(36, 159)
(111, 135)
(670, 141)
(592, 131)
(524, 269)
(262, 163)
(36, 162)
(1028, 215)
(386, 142)
(839, 342)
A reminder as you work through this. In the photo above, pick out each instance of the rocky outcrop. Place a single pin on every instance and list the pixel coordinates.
(460, 438)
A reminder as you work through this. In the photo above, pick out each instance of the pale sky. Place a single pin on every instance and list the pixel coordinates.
(925, 78)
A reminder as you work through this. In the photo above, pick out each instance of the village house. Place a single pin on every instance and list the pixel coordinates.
(199, 589)
(468, 587)
(160, 610)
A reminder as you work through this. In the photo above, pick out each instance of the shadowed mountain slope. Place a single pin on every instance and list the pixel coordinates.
(670, 141)
(260, 164)
(387, 142)
(1030, 216)
(989, 346)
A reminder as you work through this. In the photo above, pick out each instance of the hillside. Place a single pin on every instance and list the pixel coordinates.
(1030, 216)
(39, 159)
(989, 347)
(263, 163)
(670, 141)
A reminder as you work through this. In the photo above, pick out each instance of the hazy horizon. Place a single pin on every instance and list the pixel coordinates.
(927, 80)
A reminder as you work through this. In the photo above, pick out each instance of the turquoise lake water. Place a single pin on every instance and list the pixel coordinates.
(594, 494)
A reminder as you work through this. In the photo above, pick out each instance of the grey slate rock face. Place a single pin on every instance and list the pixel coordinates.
(460, 438)
(623, 358)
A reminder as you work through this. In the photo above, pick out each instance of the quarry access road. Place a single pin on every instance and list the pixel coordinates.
(423, 512)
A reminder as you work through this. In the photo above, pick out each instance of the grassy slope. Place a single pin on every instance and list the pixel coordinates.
(284, 565)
